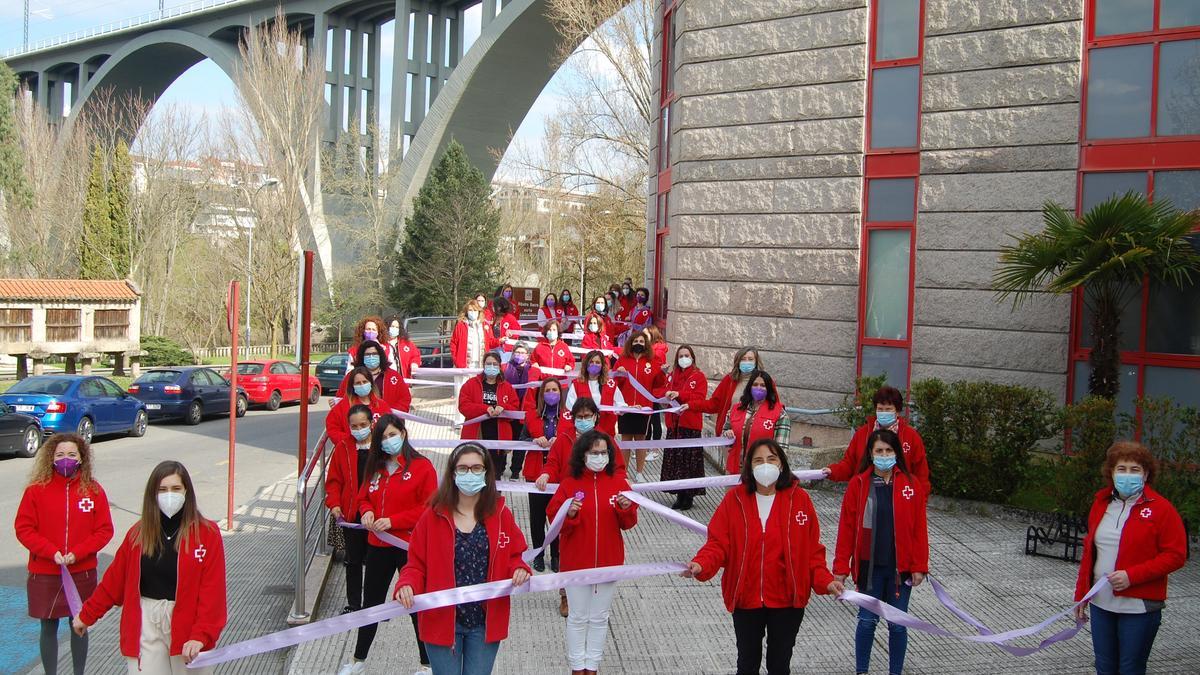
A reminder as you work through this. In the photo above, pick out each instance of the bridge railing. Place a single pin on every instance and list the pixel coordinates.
(312, 522)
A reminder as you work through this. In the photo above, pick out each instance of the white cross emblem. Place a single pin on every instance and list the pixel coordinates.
(611, 384)
(200, 552)
(648, 369)
(906, 448)
(375, 417)
(395, 380)
(561, 354)
(86, 504)
(907, 492)
(407, 349)
(502, 540)
(374, 485)
(1146, 512)
(406, 475)
(612, 501)
(566, 415)
(801, 517)
(692, 384)
(768, 424)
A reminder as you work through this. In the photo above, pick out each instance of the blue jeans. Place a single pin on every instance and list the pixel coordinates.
(470, 655)
(1122, 642)
(886, 585)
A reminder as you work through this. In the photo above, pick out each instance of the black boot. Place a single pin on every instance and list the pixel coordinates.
(685, 503)
(553, 562)
(678, 501)
(539, 563)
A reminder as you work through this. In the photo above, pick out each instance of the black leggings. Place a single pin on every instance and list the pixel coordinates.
(48, 642)
(538, 503)
(780, 626)
(382, 564)
(356, 550)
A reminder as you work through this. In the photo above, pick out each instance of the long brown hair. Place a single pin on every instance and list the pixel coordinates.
(362, 325)
(627, 348)
(377, 459)
(583, 373)
(149, 528)
(541, 395)
(43, 465)
(446, 497)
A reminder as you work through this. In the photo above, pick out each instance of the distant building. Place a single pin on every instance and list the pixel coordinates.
(226, 188)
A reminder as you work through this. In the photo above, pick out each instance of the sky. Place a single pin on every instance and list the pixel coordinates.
(205, 87)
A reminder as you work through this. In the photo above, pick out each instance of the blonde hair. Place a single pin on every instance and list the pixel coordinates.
(471, 304)
(43, 463)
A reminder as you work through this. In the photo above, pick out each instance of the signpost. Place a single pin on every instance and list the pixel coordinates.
(231, 321)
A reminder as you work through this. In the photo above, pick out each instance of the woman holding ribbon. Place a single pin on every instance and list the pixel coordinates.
(522, 375)
(471, 338)
(63, 520)
(570, 313)
(732, 385)
(1135, 540)
(594, 383)
(388, 381)
(685, 384)
(488, 395)
(591, 537)
(766, 536)
(343, 479)
(399, 484)
(552, 352)
(595, 329)
(406, 353)
(550, 310)
(888, 403)
(362, 391)
(759, 414)
(168, 576)
(643, 374)
(506, 323)
(543, 414)
(883, 541)
(367, 329)
(467, 536)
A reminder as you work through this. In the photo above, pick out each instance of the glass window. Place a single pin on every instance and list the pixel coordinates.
(1178, 13)
(1130, 326)
(1127, 377)
(1118, 99)
(1182, 188)
(1124, 16)
(891, 199)
(887, 284)
(896, 29)
(289, 368)
(1098, 187)
(111, 389)
(1173, 322)
(1179, 88)
(892, 361)
(664, 139)
(91, 388)
(894, 108)
(1181, 384)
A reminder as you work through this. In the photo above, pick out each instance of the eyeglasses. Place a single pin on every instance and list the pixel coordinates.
(597, 454)
(464, 470)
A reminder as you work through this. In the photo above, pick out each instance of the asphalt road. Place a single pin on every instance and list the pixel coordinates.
(266, 451)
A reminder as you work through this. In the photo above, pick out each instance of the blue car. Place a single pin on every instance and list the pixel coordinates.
(187, 393)
(332, 371)
(85, 404)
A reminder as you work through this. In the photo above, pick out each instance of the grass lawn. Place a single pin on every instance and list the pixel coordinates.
(316, 358)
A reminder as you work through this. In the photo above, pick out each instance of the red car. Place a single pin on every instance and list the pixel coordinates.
(272, 383)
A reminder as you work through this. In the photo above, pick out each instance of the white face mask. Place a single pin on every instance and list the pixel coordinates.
(685, 362)
(766, 474)
(170, 503)
(552, 335)
(472, 315)
(597, 462)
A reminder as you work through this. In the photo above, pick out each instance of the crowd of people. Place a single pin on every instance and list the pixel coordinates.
(394, 515)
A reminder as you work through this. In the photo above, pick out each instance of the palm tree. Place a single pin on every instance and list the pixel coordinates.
(1109, 252)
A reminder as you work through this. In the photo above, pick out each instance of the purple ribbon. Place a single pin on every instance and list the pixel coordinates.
(449, 372)
(727, 480)
(486, 444)
(71, 591)
(507, 414)
(426, 601)
(668, 513)
(382, 536)
(638, 410)
(640, 388)
(551, 533)
(410, 417)
(675, 443)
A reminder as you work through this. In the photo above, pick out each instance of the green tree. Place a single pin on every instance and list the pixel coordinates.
(14, 184)
(94, 237)
(1107, 252)
(120, 226)
(449, 251)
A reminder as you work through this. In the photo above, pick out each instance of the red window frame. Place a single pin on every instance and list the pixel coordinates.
(889, 163)
(662, 193)
(1149, 154)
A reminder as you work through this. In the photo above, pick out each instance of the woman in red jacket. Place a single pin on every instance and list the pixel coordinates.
(1135, 539)
(63, 519)
(685, 384)
(168, 577)
(594, 383)
(521, 374)
(543, 414)
(638, 362)
(467, 536)
(766, 535)
(399, 484)
(550, 310)
(506, 323)
(367, 330)
(570, 313)
(401, 347)
(729, 390)
(343, 479)
(595, 331)
(388, 381)
(591, 537)
(759, 414)
(471, 338)
(362, 392)
(552, 352)
(888, 404)
(488, 393)
(883, 541)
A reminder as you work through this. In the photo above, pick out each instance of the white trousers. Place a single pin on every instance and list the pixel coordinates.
(155, 644)
(587, 624)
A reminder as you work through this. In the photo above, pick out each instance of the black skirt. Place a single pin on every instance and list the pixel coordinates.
(633, 424)
(682, 463)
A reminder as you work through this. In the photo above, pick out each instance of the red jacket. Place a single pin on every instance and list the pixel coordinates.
(648, 371)
(59, 517)
(508, 323)
(337, 426)
(407, 354)
(401, 497)
(558, 459)
(1153, 544)
(341, 480)
(394, 389)
(776, 568)
(599, 340)
(593, 537)
(720, 402)
(431, 568)
(692, 386)
(535, 460)
(471, 405)
(608, 395)
(909, 524)
(763, 426)
(545, 314)
(200, 604)
(557, 355)
(910, 440)
(571, 315)
(458, 342)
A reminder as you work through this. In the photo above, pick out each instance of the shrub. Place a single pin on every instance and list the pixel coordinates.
(161, 351)
(857, 408)
(978, 435)
(1172, 432)
(1091, 426)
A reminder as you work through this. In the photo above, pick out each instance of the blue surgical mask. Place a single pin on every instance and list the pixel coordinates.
(393, 445)
(585, 425)
(470, 483)
(371, 361)
(884, 463)
(600, 307)
(361, 434)
(362, 389)
(394, 331)
(491, 370)
(1128, 484)
(746, 367)
(885, 418)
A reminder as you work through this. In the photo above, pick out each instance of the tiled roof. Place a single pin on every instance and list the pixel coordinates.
(66, 289)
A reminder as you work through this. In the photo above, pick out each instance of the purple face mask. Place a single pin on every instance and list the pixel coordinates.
(758, 393)
(550, 302)
(520, 359)
(508, 294)
(66, 467)
(370, 335)
(594, 369)
(552, 397)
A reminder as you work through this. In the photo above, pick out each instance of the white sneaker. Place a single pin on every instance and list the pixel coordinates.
(353, 668)
(425, 670)
(652, 456)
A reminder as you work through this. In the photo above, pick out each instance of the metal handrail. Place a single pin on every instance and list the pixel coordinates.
(319, 459)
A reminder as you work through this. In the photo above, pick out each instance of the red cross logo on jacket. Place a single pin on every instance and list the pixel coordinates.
(561, 354)
(374, 484)
(801, 517)
(768, 424)
(407, 349)
(394, 380)
(612, 501)
(906, 447)
(692, 384)
(648, 369)
(406, 475)
(86, 505)
(907, 492)
(502, 540)
(1146, 512)
(200, 552)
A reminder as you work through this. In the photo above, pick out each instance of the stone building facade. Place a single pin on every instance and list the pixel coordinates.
(833, 181)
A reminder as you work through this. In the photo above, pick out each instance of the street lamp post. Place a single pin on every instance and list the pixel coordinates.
(250, 202)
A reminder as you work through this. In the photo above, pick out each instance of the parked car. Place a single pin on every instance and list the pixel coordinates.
(20, 434)
(86, 404)
(431, 334)
(273, 382)
(188, 393)
(331, 371)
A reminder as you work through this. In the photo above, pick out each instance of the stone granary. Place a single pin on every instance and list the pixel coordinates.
(71, 318)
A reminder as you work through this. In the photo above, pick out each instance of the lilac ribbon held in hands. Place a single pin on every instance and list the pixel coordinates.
(74, 603)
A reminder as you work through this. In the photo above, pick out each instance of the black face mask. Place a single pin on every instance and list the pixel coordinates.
(639, 348)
